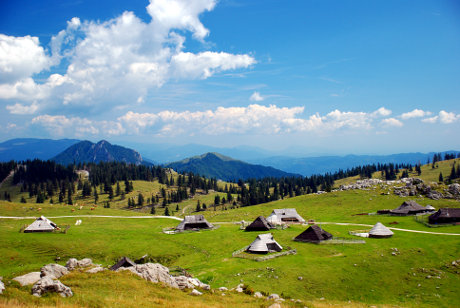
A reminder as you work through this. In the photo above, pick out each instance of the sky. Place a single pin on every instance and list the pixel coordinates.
(304, 76)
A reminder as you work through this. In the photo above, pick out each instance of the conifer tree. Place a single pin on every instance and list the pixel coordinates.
(441, 179)
(167, 211)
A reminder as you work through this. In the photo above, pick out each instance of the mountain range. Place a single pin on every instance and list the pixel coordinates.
(218, 166)
(31, 148)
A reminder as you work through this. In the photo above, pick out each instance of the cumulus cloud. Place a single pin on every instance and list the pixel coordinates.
(443, 117)
(391, 122)
(256, 97)
(21, 57)
(416, 113)
(115, 62)
(382, 111)
(252, 119)
(22, 109)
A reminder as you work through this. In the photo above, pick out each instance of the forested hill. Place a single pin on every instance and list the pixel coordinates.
(103, 151)
(214, 165)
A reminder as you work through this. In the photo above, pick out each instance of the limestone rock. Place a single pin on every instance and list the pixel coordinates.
(47, 284)
(435, 195)
(275, 305)
(53, 270)
(2, 285)
(71, 264)
(273, 296)
(153, 272)
(85, 262)
(258, 295)
(28, 279)
(224, 289)
(96, 269)
(184, 283)
(196, 293)
(454, 189)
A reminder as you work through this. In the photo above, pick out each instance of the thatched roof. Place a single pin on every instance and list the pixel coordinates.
(259, 224)
(41, 224)
(124, 262)
(409, 207)
(264, 243)
(194, 222)
(314, 234)
(379, 230)
(445, 215)
(279, 216)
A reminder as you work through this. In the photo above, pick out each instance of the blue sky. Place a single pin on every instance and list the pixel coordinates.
(332, 77)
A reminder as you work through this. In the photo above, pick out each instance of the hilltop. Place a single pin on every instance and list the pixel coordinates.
(215, 165)
(103, 151)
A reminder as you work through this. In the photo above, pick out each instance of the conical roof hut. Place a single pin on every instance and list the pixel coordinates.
(259, 224)
(41, 224)
(124, 262)
(280, 216)
(314, 234)
(194, 222)
(264, 243)
(380, 231)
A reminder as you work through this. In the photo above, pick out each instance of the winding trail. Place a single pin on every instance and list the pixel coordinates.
(90, 216)
(224, 222)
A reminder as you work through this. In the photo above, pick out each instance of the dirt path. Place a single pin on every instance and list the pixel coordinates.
(93, 216)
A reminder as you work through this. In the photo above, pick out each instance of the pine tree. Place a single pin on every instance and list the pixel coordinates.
(69, 197)
(118, 189)
(96, 196)
(167, 211)
(23, 200)
(198, 206)
(177, 207)
(441, 179)
(152, 210)
(140, 200)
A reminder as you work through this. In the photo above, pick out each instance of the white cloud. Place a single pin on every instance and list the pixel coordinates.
(416, 113)
(382, 111)
(117, 61)
(22, 109)
(392, 122)
(444, 117)
(60, 125)
(256, 97)
(20, 57)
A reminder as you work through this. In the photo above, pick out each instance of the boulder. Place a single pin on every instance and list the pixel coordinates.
(223, 289)
(2, 285)
(47, 284)
(435, 195)
(275, 305)
(454, 189)
(196, 293)
(184, 283)
(153, 272)
(96, 269)
(28, 279)
(71, 264)
(53, 271)
(258, 295)
(273, 297)
(85, 262)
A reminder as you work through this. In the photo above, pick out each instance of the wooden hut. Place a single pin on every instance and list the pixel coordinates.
(445, 215)
(380, 231)
(124, 262)
(409, 207)
(280, 216)
(41, 224)
(264, 243)
(194, 222)
(314, 234)
(259, 224)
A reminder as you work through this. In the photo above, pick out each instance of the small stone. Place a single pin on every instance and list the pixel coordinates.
(96, 269)
(239, 290)
(419, 285)
(275, 305)
(2, 286)
(273, 296)
(196, 293)
(258, 295)
(428, 277)
(322, 298)
(300, 278)
(223, 289)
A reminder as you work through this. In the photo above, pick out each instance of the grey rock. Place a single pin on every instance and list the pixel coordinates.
(153, 272)
(53, 271)
(454, 189)
(71, 264)
(239, 290)
(184, 283)
(85, 262)
(47, 284)
(258, 295)
(435, 195)
(224, 289)
(28, 279)
(273, 296)
(96, 269)
(275, 305)
(196, 293)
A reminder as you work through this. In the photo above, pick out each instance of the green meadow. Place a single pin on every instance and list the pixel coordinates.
(319, 275)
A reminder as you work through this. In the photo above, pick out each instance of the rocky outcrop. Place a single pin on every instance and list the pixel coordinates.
(28, 279)
(435, 195)
(74, 263)
(153, 272)
(454, 189)
(96, 269)
(54, 271)
(47, 284)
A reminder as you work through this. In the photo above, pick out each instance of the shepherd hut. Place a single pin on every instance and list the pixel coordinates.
(280, 216)
(264, 243)
(314, 234)
(124, 262)
(41, 224)
(380, 231)
(409, 207)
(259, 224)
(445, 215)
(194, 222)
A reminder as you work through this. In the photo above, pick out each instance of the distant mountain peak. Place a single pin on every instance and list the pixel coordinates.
(102, 151)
